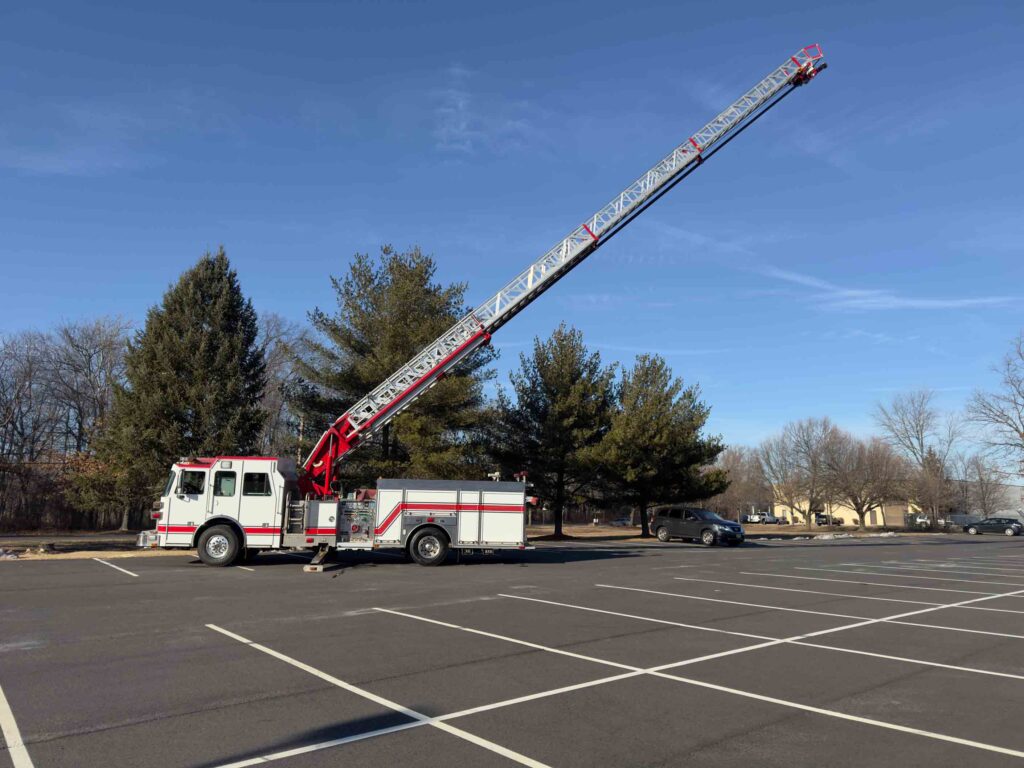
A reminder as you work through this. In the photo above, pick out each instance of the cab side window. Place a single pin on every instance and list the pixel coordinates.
(255, 484)
(224, 484)
(193, 483)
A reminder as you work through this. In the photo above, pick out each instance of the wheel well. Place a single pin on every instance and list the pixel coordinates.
(424, 526)
(219, 521)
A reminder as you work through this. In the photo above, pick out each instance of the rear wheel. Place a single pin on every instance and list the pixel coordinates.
(973, 530)
(662, 533)
(429, 547)
(219, 545)
(707, 537)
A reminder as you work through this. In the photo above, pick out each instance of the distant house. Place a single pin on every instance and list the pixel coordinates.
(892, 515)
(896, 514)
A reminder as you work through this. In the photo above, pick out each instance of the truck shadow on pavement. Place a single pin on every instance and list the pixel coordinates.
(321, 736)
(349, 560)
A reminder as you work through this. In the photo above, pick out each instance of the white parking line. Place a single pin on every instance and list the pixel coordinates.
(659, 672)
(12, 736)
(909, 576)
(245, 568)
(642, 618)
(867, 583)
(954, 565)
(988, 565)
(925, 569)
(410, 713)
(116, 567)
(892, 620)
(844, 716)
(839, 594)
(790, 640)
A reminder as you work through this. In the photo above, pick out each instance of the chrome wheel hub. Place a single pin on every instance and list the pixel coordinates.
(428, 547)
(217, 546)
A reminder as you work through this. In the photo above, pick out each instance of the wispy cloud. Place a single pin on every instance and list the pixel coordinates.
(826, 295)
(468, 120)
(94, 138)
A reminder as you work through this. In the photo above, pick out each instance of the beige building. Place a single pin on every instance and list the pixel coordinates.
(891, 515)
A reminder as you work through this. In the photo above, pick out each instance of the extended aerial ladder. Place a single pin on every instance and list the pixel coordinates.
(413, 379)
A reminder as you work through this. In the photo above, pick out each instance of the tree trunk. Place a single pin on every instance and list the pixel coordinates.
(559, 503)
(125, 514)
(861, 514)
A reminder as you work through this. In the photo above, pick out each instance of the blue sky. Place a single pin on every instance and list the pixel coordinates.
(864, 238)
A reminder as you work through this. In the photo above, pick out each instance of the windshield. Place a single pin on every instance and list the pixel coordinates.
(170, 484)
(704, 514)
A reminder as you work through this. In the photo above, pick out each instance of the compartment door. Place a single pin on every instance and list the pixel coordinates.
(469, 517)
(502, 518)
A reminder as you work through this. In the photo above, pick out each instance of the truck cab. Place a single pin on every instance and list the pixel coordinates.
(243, 498)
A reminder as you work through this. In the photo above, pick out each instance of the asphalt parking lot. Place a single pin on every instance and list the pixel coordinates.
(851, 652)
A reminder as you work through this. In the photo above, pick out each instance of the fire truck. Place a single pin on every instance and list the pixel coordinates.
(229, 507)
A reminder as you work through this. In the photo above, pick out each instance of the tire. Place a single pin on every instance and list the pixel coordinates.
(662, 533)
(429, 546)
(219, 545)
(973, 531)
(707, 537)
(1010, 531)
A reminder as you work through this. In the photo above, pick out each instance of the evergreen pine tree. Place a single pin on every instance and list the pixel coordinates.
(195, 375)
(388, 309)
(561, 411)
(655, 450)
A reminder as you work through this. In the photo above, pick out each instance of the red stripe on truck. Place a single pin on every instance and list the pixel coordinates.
(176, 528)
(413, 506)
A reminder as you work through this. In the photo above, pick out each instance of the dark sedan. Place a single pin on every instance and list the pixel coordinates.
(692, 524)
(1008, 526)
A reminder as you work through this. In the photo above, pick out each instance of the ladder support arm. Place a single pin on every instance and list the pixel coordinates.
(417, 376)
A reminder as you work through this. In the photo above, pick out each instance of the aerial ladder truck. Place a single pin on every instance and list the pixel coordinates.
(230, 506)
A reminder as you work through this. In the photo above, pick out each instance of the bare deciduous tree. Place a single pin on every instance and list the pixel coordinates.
(794, 464)
(748, 490)
(862, 474)
(54, 390)
(1001, 413)
(927, 438)
(278, 337)
(981, 484)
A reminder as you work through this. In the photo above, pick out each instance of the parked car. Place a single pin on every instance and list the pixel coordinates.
(692, 524)
(621, 522)
(764, 518)
(1008, 526)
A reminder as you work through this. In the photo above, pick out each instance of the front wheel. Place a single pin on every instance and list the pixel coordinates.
(429, 547)
(219, 545)
(973, 531)
(707, 538)
(662, 533)
(1010, 531)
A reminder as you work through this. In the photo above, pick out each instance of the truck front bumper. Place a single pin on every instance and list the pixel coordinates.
(148, 540)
